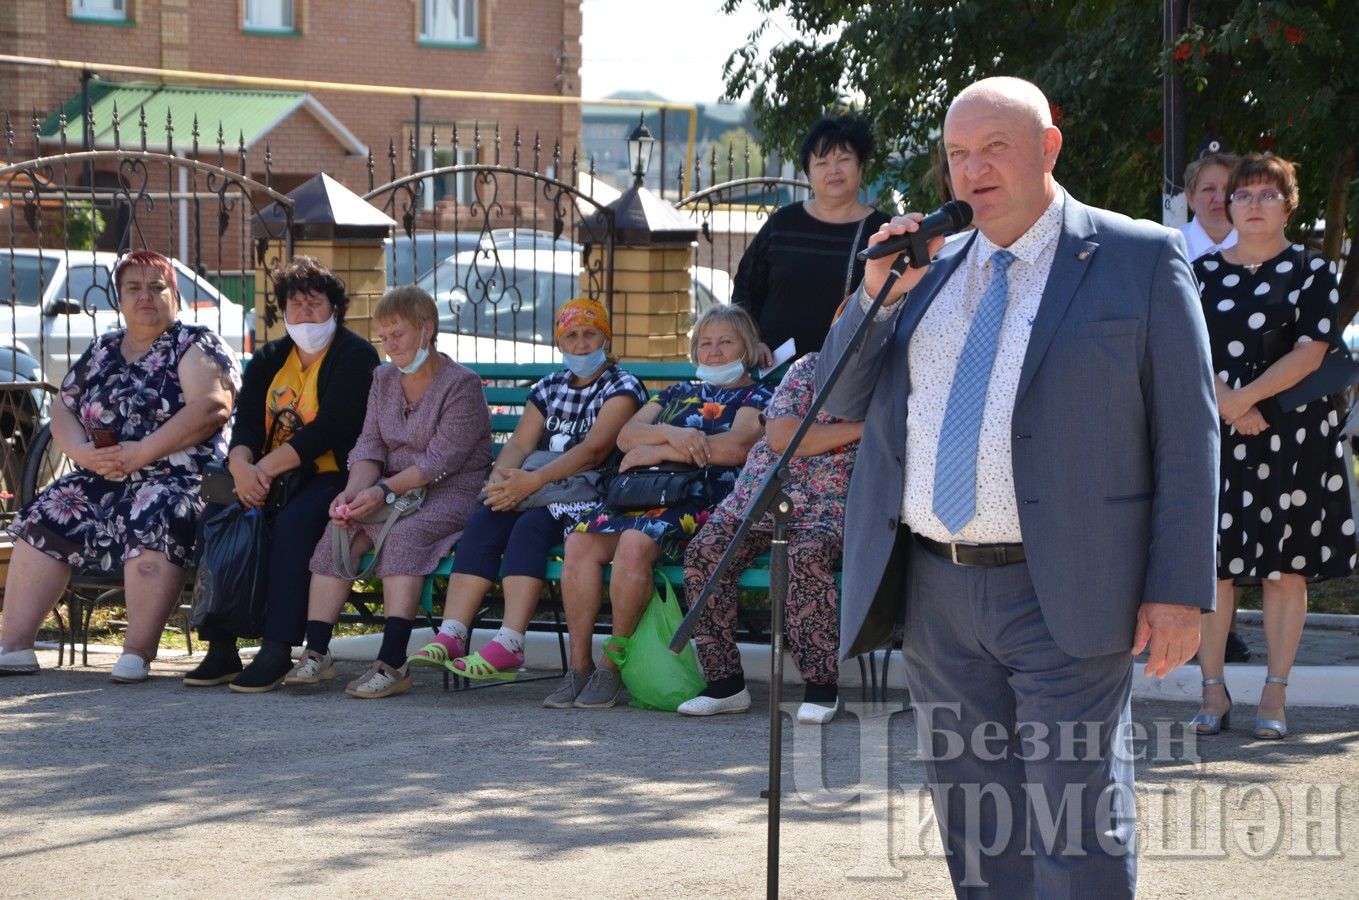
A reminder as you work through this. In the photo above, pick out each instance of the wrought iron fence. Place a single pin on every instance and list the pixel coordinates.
(492, 224)
(499, 244)
(730, 211)
(67, 216)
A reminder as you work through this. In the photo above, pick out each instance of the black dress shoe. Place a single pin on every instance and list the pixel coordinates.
(1237, 651)
(218, 667)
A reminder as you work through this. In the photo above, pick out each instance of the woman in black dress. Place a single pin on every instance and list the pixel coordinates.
(802, 264)
(1284, 508)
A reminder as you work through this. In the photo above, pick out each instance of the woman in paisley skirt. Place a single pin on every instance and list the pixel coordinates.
(817, 486)
(140, 414)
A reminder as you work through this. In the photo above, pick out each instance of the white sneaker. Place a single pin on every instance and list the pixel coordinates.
(738, 702)
(18, 662)
(816, 714)
(130, 669)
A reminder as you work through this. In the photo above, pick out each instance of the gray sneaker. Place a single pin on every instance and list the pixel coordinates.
(601, 691)
(564, 697)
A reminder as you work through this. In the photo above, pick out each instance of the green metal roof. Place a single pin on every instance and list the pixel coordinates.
(242, 113)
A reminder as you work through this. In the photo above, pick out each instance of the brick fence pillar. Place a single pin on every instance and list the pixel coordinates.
(652, 259)
(343, 232)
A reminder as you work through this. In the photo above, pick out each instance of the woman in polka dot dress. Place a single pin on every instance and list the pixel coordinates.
(1284, 506)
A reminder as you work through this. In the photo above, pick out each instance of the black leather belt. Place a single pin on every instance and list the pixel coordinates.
(985, 555)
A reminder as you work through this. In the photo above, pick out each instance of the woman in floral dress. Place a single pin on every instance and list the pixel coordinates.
(712, 423)
(817, 488)
(140, 414)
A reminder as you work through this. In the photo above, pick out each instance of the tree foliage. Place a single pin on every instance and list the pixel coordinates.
(1261, 75)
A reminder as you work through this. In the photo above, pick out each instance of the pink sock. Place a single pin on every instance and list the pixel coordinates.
(496, 655)
(455, 646)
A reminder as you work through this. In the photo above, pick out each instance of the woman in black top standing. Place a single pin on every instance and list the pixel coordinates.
(301, 407)
(801, 264)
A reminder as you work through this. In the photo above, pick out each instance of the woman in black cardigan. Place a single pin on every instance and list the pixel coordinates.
(301, 407)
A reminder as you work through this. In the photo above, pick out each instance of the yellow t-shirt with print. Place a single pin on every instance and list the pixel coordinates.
(293, 404)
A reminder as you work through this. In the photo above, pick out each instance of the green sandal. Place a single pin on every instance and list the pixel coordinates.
(437, 654)
(475, 667)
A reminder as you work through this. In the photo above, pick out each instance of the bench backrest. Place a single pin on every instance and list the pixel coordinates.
(507, 387)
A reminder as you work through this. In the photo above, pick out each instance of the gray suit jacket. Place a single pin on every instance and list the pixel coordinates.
(1114, 446)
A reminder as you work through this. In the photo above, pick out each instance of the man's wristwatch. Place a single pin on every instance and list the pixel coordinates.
(388, 495)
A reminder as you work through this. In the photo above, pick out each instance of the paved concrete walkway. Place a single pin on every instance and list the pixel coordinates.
(158, 790)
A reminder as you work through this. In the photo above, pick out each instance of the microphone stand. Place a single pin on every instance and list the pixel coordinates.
(770, 498)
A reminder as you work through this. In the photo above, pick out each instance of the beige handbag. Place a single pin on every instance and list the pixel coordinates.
(387, 515)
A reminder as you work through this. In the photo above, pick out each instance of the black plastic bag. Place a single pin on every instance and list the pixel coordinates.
(229, 591)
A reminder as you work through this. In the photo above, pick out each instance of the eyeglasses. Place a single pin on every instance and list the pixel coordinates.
(1267, 197)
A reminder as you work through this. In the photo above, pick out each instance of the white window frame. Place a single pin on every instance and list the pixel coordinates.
(464, 189)
(283, 10)
(463, 29)
(113, 10)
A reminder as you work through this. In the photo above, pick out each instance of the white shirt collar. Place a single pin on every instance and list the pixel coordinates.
(1199, 243)
(1031, 243)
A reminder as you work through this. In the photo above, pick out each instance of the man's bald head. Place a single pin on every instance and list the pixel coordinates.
(1001, 148)
(1016, 95)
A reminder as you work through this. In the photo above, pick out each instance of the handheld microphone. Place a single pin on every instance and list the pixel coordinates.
(950, 218)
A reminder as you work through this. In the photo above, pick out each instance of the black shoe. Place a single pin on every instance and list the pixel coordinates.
(266, 671)
(221, 665)
(1237, 651)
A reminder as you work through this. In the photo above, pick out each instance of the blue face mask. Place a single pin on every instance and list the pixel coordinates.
(421, 356)
(583, 365)
(720, 375)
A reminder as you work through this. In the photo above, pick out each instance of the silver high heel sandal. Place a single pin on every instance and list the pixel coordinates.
(1271, 729)
(1208, 723)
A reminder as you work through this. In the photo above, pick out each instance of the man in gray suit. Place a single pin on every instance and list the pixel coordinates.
(1037, 485)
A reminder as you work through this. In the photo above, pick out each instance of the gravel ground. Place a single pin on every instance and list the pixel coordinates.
(158, 790)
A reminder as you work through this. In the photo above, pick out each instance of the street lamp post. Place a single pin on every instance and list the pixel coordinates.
(640, 144)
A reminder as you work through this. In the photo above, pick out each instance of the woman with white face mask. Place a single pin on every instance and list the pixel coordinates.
(298, 415)
(710, 424)
(427, 427)
(575, 413)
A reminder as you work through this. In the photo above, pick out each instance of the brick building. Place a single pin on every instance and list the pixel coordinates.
(505, 46)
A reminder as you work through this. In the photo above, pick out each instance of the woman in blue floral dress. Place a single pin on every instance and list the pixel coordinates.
(712, 423)
(140, 414)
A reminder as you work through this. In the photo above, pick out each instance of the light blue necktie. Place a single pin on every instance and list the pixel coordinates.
(955, 461)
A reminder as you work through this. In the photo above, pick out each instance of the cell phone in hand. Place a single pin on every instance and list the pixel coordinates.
(103, 437)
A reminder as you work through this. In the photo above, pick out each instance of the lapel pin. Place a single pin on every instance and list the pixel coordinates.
(1083, 255)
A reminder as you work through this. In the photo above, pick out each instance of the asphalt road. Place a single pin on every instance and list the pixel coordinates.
(157, 790)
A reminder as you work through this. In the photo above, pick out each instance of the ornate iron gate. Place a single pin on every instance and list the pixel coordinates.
(499, 246)
(66, 217)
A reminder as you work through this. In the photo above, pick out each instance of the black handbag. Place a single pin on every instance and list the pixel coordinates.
(229, 590)
(662, 485)
(1336, 374)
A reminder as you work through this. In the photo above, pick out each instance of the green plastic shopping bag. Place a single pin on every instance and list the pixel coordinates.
(655, 677)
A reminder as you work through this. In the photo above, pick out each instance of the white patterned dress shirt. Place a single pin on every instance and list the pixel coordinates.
(934, 350)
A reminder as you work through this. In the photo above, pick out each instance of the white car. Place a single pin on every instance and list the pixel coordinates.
(53, 303)
(499, 306)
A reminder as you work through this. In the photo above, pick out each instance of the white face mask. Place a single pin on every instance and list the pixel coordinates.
(420, 356)
(311, 337)
(720, 375)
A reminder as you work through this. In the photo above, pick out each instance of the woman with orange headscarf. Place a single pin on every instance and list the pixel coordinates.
(570, 426)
